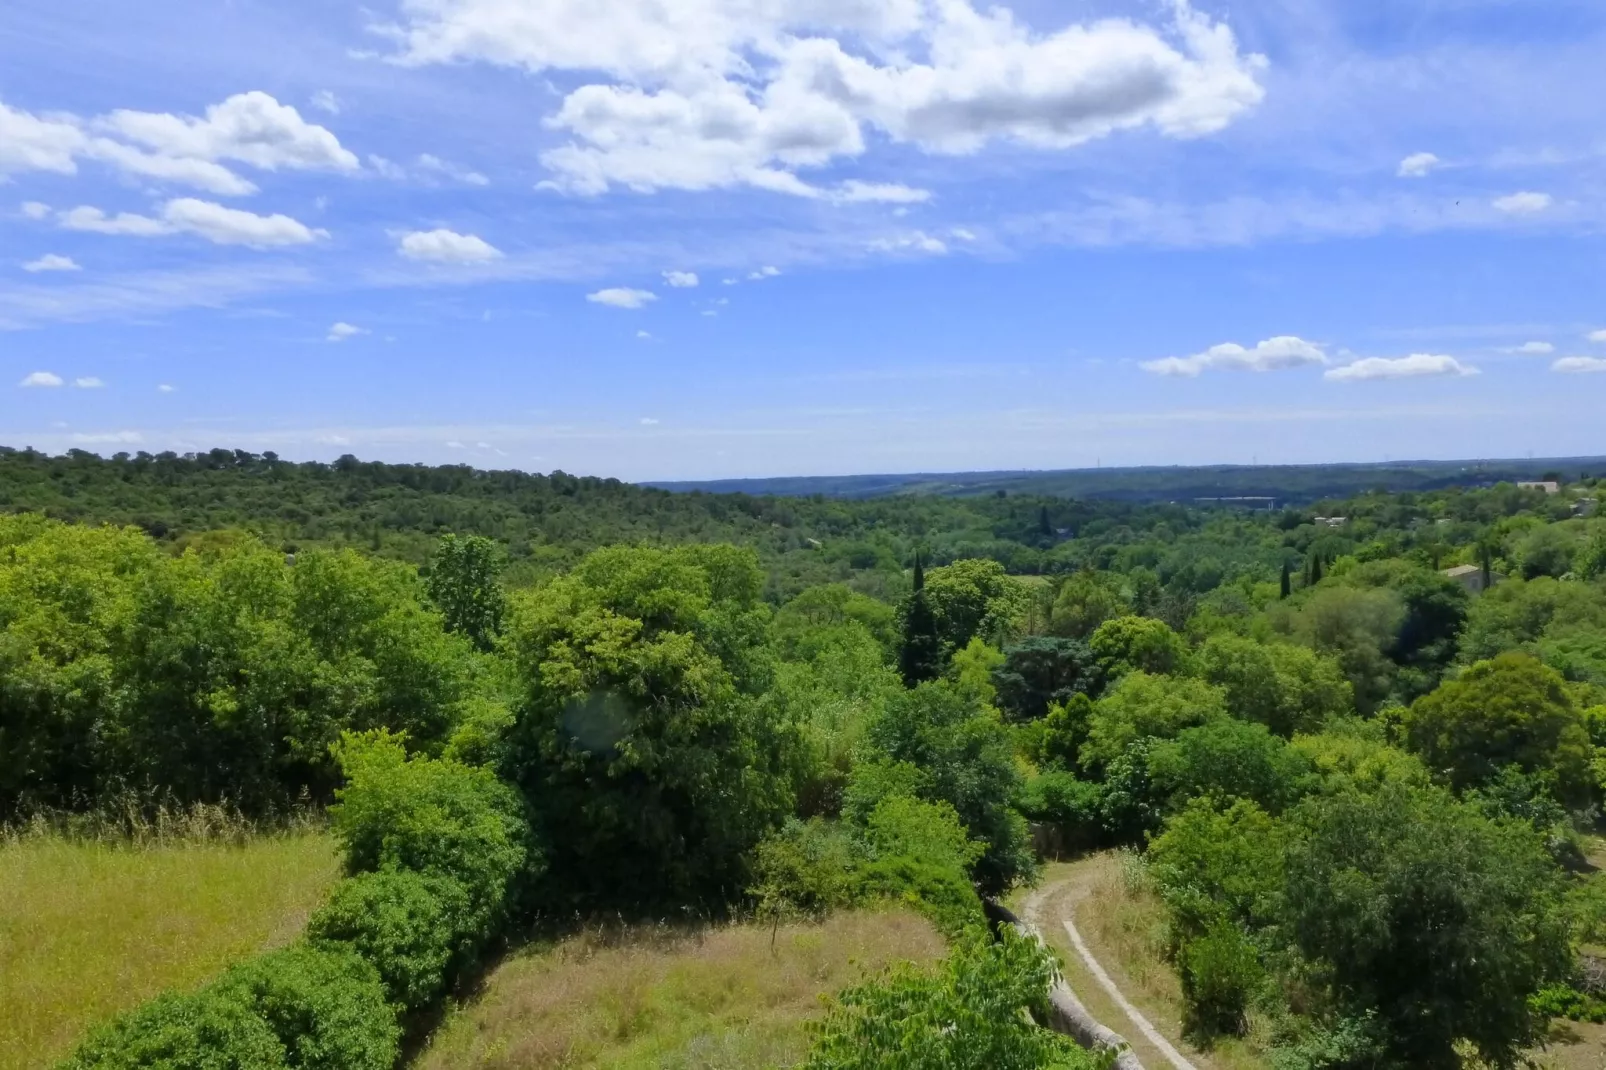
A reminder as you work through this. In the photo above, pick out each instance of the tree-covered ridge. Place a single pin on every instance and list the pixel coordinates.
(679, 724)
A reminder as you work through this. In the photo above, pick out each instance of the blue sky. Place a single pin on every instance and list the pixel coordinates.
(708, 238)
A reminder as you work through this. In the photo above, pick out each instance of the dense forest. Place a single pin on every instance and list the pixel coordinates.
(1355, 745)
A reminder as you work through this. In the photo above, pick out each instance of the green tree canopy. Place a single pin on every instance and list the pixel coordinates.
(1287, 688)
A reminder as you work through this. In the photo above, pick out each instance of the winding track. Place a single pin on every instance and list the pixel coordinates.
(1075, 1017)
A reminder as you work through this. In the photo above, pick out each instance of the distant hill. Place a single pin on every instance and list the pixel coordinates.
(1292, 484)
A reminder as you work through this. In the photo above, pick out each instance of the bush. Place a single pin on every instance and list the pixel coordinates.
(411, 927)
(812, 867)
(326, 1007)
(430, 816)
(204, 1030)
(1228, 759)
(974, 1013)
(1220, 971)
(1071, 806)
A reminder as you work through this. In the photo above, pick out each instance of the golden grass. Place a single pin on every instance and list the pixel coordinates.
(88, 929)
(709, 999)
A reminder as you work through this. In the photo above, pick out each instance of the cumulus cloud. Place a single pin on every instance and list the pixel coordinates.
(342, 331)
(46, 379)
(768, 271)
(1576, 365)
(443, 246)
(1274, 354)
(622, 297)
(186, 215)
(1419, 165)
(1531, 349)
(89, 382)
(1597, 336)
(918, 242)
(51, 262)
(1524, 203)
(721, 93)
(1415, 366)
(35, 209)
(681, 280)
(248, 128)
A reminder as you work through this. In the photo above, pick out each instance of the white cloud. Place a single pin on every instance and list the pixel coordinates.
(855, 192)
(1576, 365)
(51, 262)
(28, 143)
(768, 271)
(324, 100)
(1597, 336)
(104, 438)
(251, 128)
(681, 280)
(644, 335)
(89, 382)
(434, 165)
(35, 209)
(41, 379)
(454, 445)
(186, 215)
(1415, 366)
(648, 421)
(1419, 165)
(1524, 203)
(165, 388)
(231, 226)
(622, 297)
(710, 94)
(1532, 349)
(1274, 354)
(447, 247)
(342, 331)
(962, 234)
(918, 242)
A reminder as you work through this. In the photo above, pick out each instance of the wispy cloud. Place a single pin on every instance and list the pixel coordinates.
(622, 297)
(1415, 366)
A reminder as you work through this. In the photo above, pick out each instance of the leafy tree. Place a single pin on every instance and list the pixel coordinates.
(1042, 671)
(819, 613)
(1546, 551)
(1060, 735)
(1220, 862)
(973, 669)
(1128, 644)
(1287, 688)
(642, 740)
(1228, 759)
(1084, 602)
(1510, 710)
(935, 744)
(1142, 705)
(464, 581)
(1357, 628)
(973, 599)
(1440, 923)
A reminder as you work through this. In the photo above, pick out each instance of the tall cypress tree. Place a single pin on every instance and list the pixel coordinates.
(920, 657)
(1288, 581)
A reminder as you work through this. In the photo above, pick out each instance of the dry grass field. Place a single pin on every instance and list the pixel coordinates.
(709, 999)
(88, 929)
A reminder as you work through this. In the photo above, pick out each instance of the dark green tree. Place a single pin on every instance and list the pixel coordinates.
(464, 583)
(1041, 671)
(920, 652)
(1286, 587)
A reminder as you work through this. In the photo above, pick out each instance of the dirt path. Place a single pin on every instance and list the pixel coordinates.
(1052, 908)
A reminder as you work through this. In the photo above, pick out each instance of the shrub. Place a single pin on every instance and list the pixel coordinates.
(1072, 806)
(411, 927)
(430, 816)
(1220, 971)
(1228, 759)
(326, 1007)
(973, 1013)
(204, 1030)
(809, 866)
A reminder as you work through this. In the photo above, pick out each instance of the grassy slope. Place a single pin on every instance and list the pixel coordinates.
(87, 930)
(710, 999)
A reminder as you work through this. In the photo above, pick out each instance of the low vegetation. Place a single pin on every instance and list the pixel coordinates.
(91, 928)
(715, 998)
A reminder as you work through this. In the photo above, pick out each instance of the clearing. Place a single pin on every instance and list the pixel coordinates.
(89, 928)
(713, 999)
